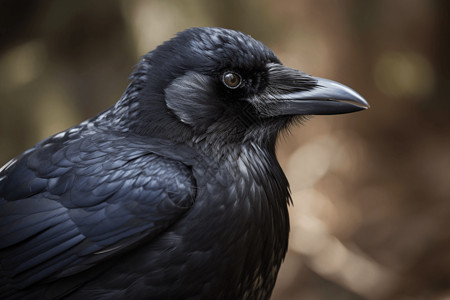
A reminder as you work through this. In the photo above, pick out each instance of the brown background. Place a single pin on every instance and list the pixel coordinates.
(371, 215)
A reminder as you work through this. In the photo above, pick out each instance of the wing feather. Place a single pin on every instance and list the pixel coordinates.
(67, 206)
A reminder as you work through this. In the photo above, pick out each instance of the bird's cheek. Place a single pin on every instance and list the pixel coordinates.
(191, 98)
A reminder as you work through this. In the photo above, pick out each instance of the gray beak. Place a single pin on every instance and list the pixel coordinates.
(296, 93)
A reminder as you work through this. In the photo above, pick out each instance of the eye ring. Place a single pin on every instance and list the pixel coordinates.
(231, 80)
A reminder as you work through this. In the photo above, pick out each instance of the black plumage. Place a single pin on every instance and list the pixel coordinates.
(174, 192)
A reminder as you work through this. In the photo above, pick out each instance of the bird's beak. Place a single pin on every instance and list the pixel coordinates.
(297, 93)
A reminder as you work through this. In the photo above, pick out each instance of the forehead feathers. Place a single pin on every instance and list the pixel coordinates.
(220, 45)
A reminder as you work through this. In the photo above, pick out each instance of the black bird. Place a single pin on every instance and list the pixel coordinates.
(175, 191)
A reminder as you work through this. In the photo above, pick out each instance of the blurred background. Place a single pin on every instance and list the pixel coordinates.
(371, 191)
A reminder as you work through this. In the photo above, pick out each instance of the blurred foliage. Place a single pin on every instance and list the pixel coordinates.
(371, 190)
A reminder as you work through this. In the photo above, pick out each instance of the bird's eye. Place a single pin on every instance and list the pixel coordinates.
(231, 80)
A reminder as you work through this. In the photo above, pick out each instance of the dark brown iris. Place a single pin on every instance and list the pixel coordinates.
(231, 80)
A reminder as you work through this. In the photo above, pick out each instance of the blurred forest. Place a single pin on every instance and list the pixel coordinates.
(371, 191)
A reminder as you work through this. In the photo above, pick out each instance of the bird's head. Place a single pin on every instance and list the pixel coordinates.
(218, 84)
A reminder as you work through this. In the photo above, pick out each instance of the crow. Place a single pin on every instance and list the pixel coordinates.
(174, 192)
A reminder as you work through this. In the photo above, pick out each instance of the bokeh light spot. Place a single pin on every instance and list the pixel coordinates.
(402, 74)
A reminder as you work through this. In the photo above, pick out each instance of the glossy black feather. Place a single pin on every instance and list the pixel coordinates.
(56, 220)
